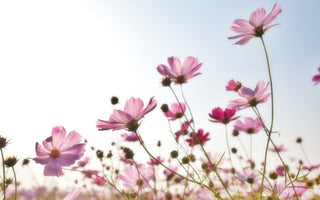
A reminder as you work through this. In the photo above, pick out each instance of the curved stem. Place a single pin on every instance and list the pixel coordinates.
(3, 176)
(228, 146)
(272, 116)
(185, 101)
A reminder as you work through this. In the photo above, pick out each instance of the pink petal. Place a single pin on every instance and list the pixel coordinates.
(41, 151)
(246, 92)
(58, 136)
(242, 26)
(72, 195)
(273, 14)
(133, 107)
(244, 40)
(106, 125)
(52, 169)
(175, 65)
(119, 116)
(257, 17)
(151, 105)
(72, 139)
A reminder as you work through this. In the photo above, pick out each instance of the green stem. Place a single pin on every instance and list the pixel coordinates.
(15, 183)
(228, 146)
(185, 101)
(3, 176)
(272, 117)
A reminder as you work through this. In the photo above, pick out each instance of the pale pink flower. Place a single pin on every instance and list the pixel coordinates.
(248, 175)
(316, 78)
(251, 97)
(256, 26)
(73, 194)
(176, 111)
(130, 137)
(128, 118)
(156, 162)
(233, 85)
(290, 193)
(249, 125)
(216, 159)
(220, 116)
(132, 178)
(278, 148)
(59, 151)
(180, 73)
(311, 167)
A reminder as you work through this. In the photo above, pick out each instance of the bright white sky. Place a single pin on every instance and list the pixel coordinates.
(61, 61)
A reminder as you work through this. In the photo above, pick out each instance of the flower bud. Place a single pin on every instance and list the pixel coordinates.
(10, 161)
(174, 154)
(114, 100)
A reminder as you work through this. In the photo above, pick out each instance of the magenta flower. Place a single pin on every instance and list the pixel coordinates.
(180, 73)
(157, 161)
(312, 167)
(249, 125)
(59, 150)
(256, 26)
(316, 78)
(183, 130)
(176, 111)
(131, 177)
(252, 97)
(220, 116)
(199, 138)
(233, 85)
(128, 118)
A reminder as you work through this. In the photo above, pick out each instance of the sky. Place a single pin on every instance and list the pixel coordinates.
(61, 61)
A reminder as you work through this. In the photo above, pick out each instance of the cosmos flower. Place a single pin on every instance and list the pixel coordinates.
(157, 161)
(316, 78)
(176, 111)
(180, 73)
(278, 148)
(183, 130)
(220, 116)
(251, 97)
(198, 138)
(59, 150)
(257, 25)
(130, 137)
(249, 125)
(128, 118)
(132, 178)
(233, 85)
(73, 194)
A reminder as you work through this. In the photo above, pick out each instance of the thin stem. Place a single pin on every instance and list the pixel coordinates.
(228, 146)
(183, 177)
(243, 147)
(15, 183)
(305, 155)
(272, 117)
(3, 176)
(185, 101)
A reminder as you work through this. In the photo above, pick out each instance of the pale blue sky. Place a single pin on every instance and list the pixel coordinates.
(61, 61)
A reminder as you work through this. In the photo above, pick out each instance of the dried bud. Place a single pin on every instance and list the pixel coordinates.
(99, 154)
(235, 132)
(192, 158)
(25, 162)
(3, 142)
(185, 160)
(114, 100)
(234, 150)
(174, 154)
(298, 140)
(273, 175)
(109, 155)
(164, 108)
(166, 81)
(128, 153)
(10, 161)
(159, 143)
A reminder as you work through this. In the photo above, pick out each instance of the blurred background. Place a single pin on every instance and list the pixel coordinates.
(61, 61)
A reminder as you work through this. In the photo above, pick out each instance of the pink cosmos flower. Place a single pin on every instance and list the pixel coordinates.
(278, 148)
(316, 78)
(59, 150)
(311, 167)
(183, 130)
(73, 194)
(132, 137)
(215, 159)
(252, 97)
(176, 111)
(256, 26)
(233, 85)
(249, 125)
(220, 116)
(180, 73)
(157, 161)
(128, 118)
(199, 138)
(82, 163)
(132, 178)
